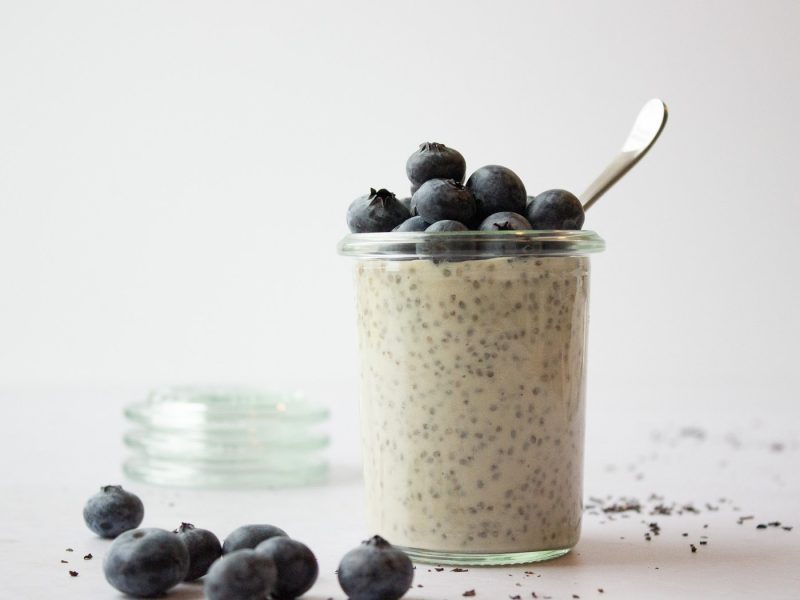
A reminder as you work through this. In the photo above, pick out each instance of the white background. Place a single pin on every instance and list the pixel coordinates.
(174, 176)
(173, 182)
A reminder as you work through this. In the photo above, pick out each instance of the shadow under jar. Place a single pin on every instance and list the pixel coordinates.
(472, 348)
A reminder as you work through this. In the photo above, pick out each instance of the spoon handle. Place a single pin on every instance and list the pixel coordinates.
(648, 126)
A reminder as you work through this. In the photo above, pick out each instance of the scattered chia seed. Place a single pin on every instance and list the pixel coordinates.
(693, 547)
(786, 528)
(468, 593)
(761, 526)
(438, 569)
(516, 597)
(64, 561)
(459, 570)
(623, 507)
(88, 557)
(601, 590)
(70, 550)
(741, 520)
(703, 542)
(775, 524)
(73, 573)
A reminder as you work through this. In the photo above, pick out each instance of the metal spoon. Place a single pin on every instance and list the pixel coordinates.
(646, 129)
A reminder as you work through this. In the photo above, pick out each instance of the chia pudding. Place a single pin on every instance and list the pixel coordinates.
(472, 401)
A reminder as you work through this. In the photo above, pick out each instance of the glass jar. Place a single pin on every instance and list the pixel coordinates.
(226, 437)
(472, 349)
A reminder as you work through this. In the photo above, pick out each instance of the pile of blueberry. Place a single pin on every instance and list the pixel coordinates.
(493, 199)
(255, 562)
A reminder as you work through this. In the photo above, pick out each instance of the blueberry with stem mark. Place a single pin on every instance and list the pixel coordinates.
(375, 570)
(377, 211)
(505, 221)
(113, 510)
(204, 548)
(435, 161)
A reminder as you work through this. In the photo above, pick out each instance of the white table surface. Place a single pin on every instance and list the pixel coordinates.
(724, 447)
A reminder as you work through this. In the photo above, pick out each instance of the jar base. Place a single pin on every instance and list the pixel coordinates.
(476, 559)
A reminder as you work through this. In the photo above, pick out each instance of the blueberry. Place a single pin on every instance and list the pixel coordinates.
(250, 536)
(447, 248)
(447, 225)
(555, 209)
(440, 199)
(375, 570)
(204, 548)
(413, 224)
(505, 221)
(146, 562)
(435, 161)
(113, 510)
(496, 189)
(296, 564)
(241, 575)
(377, 211)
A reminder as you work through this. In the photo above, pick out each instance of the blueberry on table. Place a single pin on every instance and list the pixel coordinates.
(375, 570)
(113, 510)
(413, 224)
(377, 211)
(250, 536)
(555, 209)
(443, 199)
(505, 221)
(497, 189)
(447, 225)
(146, 562)
(241, 575)
(203, 546)
(435, 161)
(297, 566)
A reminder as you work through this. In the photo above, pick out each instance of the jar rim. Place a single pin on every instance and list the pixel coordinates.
(470, 244)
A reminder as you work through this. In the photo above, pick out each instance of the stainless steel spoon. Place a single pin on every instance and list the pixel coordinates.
(646, 129)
